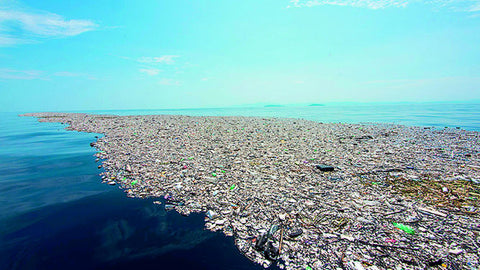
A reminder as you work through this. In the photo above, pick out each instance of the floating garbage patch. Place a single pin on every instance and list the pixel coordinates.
(304, 194)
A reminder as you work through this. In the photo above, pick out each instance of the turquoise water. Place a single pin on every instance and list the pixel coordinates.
(466, 116)
(55, 213)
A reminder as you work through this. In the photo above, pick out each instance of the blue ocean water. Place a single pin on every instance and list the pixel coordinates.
(55, 213)
(440, 115)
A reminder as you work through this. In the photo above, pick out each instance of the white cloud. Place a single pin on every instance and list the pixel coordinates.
(150, 71)
(166, 81)
(20, 26)
(149, 64)
(8, 40)
(454, 5)
(167, 64)
(12, 74)
(73, 74)
(475, 7)
(164, 59)
(66, 74)
(15, 74)
(372, 4)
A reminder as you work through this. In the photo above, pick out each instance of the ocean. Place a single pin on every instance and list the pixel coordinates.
(56, 214)
(439, 115)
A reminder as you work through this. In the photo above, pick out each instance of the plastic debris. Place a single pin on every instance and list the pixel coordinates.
(455, 251)
(211, 214)
(295, 233)
(271, 251)
(429, 210)
(324, 168)
(333, 217)
(404, 228)
(261, 240)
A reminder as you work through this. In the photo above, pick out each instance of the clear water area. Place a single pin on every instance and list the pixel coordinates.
(438, 115)
(56, 214)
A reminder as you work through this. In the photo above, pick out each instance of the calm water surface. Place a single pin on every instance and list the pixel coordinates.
(435, 115)
(56, 214)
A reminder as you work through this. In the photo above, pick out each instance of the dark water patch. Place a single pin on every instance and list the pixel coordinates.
(56, 214)
(30, 182)
(30, 136)
(110, 231)
(54, 163)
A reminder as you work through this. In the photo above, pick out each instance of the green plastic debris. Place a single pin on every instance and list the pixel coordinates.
(308, 268)
(404, 228)
(214, 174)
(223, 171)
(374, 183)
(190, 158)
(182, 159)
(124, 179)
(134, 182)
(232, 187)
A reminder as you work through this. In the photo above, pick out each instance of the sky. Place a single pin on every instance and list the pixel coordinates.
(119, 54)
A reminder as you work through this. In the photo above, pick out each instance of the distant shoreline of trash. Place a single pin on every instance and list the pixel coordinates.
(304, 194)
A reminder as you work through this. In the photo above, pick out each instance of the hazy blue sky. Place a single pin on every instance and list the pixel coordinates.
(112, 54)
